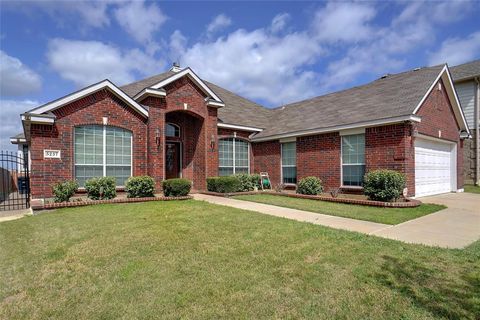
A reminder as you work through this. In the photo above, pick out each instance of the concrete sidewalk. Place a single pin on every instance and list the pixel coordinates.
(299, 215)
(454, 227)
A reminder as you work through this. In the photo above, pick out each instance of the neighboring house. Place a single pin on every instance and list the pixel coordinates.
(177, 125)
(466, 78)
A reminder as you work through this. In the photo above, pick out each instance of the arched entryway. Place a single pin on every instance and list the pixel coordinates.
(185, 147)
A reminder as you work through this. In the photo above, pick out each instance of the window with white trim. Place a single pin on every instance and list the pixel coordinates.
(102, 151)
(289, 162)
(353, 160)
(232, 156)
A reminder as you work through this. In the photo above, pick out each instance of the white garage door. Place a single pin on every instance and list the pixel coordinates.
(435, 164)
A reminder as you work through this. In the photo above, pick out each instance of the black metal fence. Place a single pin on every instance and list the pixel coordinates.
(14, 181)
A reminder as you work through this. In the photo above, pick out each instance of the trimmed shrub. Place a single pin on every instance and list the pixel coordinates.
(101, 188)
(310, 186)
(255, 177)
(140, 187)
(176, 187)
(226, 184)
(384, 185)
(248, 182)
(63, 191)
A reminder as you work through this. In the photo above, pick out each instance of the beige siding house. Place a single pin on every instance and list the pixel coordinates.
(467, 84)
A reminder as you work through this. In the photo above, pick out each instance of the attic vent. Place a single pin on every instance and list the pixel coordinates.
(175, 67)
(384, 76)
(416, 69)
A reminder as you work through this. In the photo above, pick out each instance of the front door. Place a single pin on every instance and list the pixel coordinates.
(172, 160)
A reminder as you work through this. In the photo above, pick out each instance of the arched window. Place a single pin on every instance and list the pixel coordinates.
(172, 130)
(102, 151)
(233, 156)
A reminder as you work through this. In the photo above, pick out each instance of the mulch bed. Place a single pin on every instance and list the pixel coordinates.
(405, 203)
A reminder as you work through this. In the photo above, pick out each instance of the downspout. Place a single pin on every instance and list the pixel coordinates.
(477, 133)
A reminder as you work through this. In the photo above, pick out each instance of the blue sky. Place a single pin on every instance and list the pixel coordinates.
(271, 52)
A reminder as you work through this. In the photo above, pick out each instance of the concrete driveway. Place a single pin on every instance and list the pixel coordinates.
(454, 227)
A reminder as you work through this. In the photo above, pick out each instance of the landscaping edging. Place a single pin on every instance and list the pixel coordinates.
(409, 203)
(44, 206)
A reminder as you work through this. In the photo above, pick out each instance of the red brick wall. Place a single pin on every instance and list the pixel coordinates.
(319, 156)
(89, 110)
(154, 148)
(267, 159)
(391, 147)
(437, 114)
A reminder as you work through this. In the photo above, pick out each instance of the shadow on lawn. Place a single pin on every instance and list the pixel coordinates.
(455, 297)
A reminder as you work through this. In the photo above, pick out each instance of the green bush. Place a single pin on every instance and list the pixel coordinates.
(101, 188)
(384, 185)
(176, 187)
(248, 182)
(63, 191)
(223, 184)
(140, 187)
(310, 186)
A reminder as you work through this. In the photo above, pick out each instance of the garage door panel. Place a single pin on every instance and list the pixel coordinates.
(433, 167)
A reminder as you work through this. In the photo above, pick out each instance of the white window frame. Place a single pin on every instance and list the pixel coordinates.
(104, 156)
(351, 164)
(287, 166)
(233, 156)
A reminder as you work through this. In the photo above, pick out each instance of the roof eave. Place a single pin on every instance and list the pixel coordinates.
(363, 124)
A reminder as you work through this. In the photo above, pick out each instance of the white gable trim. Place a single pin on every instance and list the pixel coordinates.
(234, 126)
(452, 94)
(191, 74)
(86, 91)
(40, 119)
(150, 92)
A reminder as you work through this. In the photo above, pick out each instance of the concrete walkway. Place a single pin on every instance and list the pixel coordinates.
(14, 214)
(454, 227)
(299, 215)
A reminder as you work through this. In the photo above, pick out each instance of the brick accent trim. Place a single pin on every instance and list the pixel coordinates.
(93, 202)
(409, 203)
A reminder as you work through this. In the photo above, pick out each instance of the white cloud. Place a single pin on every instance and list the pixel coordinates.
(11, 123)
(178, 43)
(141, 21)
(412, 29)
(87, 62)
(91, 13)
(457, 50)
(258, 64)
(348, 22)
(17, 79)
(218, 23)
(279, 22)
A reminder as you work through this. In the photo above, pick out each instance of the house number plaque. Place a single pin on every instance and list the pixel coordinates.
(51, 154)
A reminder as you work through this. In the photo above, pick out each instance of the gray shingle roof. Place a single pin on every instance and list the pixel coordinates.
(466, 70)
(237, 110)
(393, 96)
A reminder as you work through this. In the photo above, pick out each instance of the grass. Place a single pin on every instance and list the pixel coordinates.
(375, 214)
(191, 259)
(471, 188)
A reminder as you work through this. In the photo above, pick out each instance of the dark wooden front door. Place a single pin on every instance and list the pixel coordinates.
(172, 160)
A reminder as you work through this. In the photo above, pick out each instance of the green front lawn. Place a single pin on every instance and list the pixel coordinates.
(471, 188)
(375, 214)
(192, 259)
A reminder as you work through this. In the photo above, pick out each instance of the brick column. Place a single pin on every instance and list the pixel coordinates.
(155, 145)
